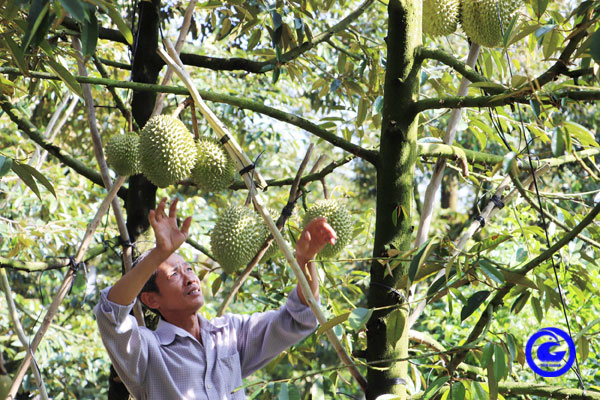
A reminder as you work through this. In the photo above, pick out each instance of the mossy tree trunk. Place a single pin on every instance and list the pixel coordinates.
(387, 335)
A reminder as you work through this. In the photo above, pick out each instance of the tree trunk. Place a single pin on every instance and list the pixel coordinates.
(450, 190)
(387, 336)
(141, 195)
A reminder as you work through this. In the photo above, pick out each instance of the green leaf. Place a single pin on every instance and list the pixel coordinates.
(359, 317)
(457, 392)
(518, 279)
(499, 362)
(595, 46)
(509, 29)
(507, 161)
(288, 392)
(539, 7)
(66, 77)
(362, 111)
(488, 352)
(40, 177)
(491, 271)
(26, 177)
(75, 8)
(418, 259)
(512, 345)
(17, 55)
(535, 106)
(583, 348)
(116, 18)
(435, 386)
(89, 33)
(35, 21)
(537, 309)
(5, 164)
(558, 142)
(477, 391)
(254, 39)
(338, 319)
(473, 303)
(395, 326)
(216, 285)
(440, 283)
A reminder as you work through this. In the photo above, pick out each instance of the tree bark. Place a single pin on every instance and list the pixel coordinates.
(141, 196)
(387, 334)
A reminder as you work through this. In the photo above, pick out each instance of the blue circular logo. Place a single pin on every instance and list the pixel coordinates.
(545, 357)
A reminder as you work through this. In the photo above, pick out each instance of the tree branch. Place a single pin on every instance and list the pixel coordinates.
(236, 63)
(497, 300)
(534, 389)
(34, 134)
(449, 60)
(368, 155)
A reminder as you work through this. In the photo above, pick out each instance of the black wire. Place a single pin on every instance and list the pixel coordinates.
(539, 198)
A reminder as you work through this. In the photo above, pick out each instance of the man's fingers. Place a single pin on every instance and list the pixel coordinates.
(185, 227)
(152, 218)
(173, 208)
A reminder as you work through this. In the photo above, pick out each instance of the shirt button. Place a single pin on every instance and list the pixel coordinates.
(208, 386)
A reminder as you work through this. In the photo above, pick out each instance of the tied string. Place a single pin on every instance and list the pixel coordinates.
(74, 267)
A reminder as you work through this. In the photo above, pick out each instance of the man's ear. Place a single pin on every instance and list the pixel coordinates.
(150, 299)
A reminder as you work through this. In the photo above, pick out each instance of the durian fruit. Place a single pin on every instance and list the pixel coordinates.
(167, 150)
(338, 217)
(122, 154)
(236, 237)
(484, 21)
(214, 168)
(440, 17)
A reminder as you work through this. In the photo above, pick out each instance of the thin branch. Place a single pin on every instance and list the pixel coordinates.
(39, 266)
(510, 97)
(368, 155)
(12, 311)
(233, 64)
(448, 59)
(117, 99)
(34, 134)
(513, 389)
(305, 179)
(498, 298)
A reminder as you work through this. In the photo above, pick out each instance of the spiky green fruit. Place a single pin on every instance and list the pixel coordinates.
(440, 17)
(338, 217)
(236, 238)
(214, 168)
(167, 150)
(484, 21)
(122, 154)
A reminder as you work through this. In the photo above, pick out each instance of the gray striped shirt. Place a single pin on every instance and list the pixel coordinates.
(169, 363)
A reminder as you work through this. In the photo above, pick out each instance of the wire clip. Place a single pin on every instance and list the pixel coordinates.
(224, 139)
(481, 220)
(496, 200)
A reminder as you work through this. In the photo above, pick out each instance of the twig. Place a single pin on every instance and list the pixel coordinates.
(97, 142)
(20, 333)
(58, 128)
(241, 160)
(585, 167)
(185, 28)
(179, 109)
(64, 288)
(285, 214)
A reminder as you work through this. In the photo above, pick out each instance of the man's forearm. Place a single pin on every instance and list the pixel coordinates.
(129, 286)
(310, 272)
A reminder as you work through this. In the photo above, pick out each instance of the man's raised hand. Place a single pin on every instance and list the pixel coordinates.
(314, 237)
(169, 237)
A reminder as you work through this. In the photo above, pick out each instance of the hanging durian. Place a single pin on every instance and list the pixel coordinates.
(214, 168)
(122, 154)
(236, 237)
(485, 21)
(440, 17)
(167, 150)
(338, 217)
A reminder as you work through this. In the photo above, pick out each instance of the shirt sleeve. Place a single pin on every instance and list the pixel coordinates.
(262, 336)
(125, 343)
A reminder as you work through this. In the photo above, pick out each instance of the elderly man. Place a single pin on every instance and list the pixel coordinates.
(188, 356)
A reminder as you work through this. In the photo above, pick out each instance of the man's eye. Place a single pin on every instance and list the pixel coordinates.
(190, 269)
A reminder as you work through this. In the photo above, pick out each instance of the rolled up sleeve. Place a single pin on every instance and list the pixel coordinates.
(262, 336)
(124, 342)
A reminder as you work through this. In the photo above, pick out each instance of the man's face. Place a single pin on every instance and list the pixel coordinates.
(179, 287)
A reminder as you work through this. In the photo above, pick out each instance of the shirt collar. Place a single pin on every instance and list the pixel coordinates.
(166, 331)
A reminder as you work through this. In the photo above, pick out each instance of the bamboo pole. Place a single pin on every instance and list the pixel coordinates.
(99, 154)
(242, 161)
(12, 311)
(185, 28)
(64, 288)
